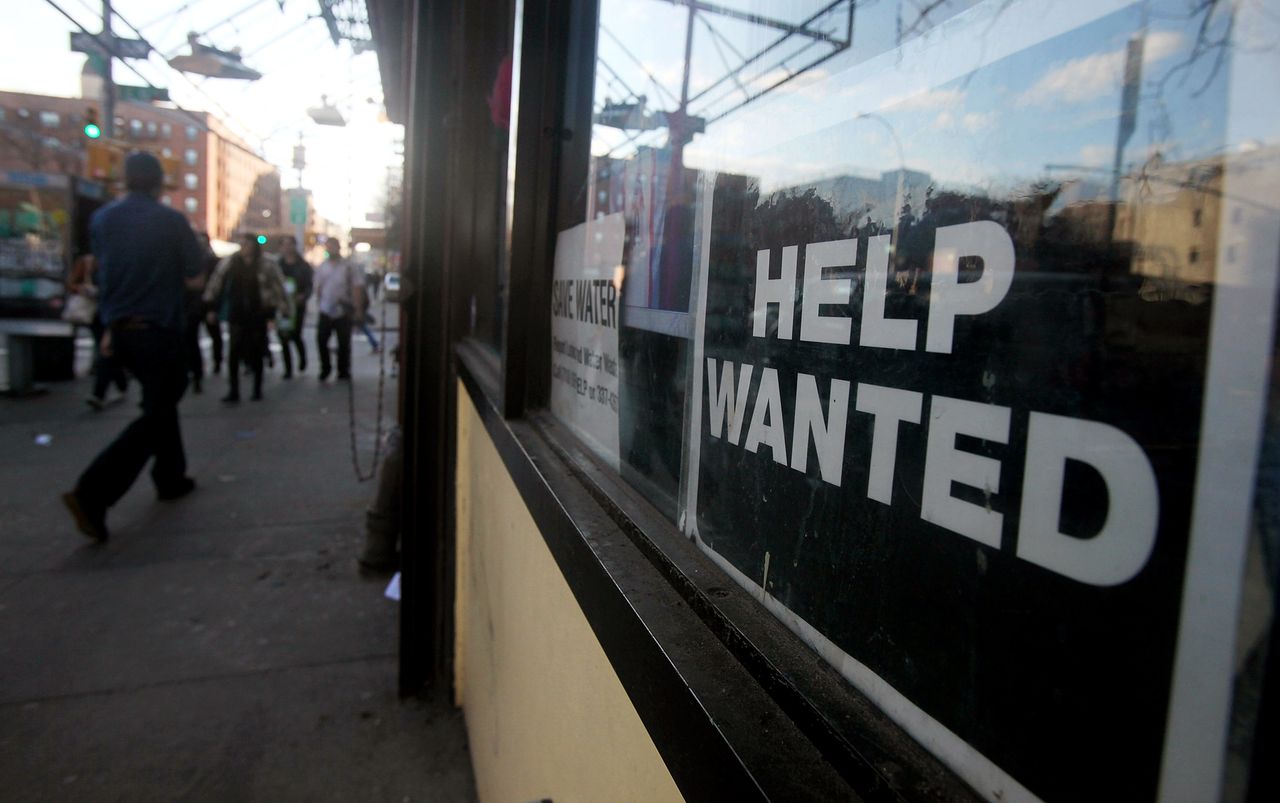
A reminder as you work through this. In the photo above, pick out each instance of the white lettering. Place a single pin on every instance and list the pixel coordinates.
(948, 296)
(768, 402)
(814, 326)
(1121, 548)
(944, 464)
(780, 291)
(722, 400)
(828, 436)
(890, 407)
(877, 330)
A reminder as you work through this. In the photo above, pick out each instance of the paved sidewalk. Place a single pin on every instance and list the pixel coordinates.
(221, 647)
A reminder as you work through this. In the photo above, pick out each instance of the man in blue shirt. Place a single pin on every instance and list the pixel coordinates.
(146, 254)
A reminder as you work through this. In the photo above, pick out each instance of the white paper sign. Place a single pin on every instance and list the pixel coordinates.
(585, 304)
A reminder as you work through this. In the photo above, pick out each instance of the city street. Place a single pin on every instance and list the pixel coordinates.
(220, 647)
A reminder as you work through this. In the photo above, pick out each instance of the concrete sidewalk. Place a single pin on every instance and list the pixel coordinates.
(221, 647)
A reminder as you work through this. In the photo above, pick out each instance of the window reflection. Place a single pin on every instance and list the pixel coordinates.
(1128, 155)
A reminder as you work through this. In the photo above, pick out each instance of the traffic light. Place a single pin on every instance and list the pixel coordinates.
(172, 169)
(105, 161)
(91, 128)
(262, 239)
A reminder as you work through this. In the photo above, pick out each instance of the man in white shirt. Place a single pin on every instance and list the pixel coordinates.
(338, 296)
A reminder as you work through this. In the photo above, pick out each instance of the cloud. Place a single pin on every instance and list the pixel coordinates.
(1090, 77)
(970, 122)
(927, 101)
(973, 122)
(1096, 155)
(810, 84)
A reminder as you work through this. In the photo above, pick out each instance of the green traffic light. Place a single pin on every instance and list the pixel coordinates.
(262, 239)
(92, 131)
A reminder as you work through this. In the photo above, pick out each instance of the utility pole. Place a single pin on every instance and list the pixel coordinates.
(298, 198)
(108, 81)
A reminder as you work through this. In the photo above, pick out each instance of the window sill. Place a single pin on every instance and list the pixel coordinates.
(736, 704)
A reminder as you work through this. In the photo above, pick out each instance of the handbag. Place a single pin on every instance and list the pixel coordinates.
(79, 309)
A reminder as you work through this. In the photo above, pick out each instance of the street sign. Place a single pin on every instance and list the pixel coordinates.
(121, 48)
(298, 209)
(141, 94)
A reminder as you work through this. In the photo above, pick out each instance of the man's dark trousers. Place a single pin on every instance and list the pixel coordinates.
(248, 346)
(294, 336)
(191, 348)
(325, 327)
(215, 335)
(154, 357)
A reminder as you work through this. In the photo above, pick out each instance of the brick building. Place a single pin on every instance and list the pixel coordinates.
(223, 186)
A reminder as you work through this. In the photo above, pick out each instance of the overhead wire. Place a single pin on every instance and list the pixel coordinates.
(199, 87)
(652, 78)
(252, 5)
(193, 116)
(276, 38)
(170, 15)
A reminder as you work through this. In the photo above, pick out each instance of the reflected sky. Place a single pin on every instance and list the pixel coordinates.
(982, 96)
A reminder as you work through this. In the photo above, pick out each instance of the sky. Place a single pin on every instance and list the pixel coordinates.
(996, 95)
(346, 167)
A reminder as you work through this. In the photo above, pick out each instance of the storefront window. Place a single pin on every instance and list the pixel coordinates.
(945, 329)
(483, 132)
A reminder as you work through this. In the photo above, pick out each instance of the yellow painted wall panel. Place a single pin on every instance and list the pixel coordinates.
(546, 714)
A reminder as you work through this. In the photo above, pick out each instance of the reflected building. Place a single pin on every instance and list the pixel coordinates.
(222, 185)
(855, 198)
(1170, 212)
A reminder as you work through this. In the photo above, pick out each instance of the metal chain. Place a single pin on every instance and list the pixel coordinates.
(351, 403)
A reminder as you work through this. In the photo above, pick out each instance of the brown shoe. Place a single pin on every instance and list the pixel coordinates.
(90, 520)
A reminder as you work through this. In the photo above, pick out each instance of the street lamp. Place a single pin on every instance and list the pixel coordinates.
(215, 63)
(326, 114)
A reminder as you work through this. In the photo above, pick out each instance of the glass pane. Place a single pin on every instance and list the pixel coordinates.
(483, 135)
(945, 329)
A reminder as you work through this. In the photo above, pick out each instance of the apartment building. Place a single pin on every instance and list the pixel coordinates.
(223, 186)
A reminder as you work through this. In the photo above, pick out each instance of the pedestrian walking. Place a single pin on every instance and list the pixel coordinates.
(298, 277)
(364, 315)
(195, 308)
(248, 289)
(146, 253)
(338, 296)
(83, 292)
(213, 326)
(365, 319)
